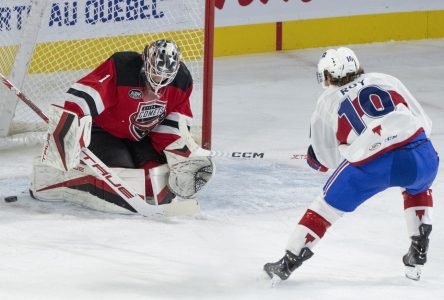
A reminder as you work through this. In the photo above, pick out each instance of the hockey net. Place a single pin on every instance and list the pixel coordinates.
(45, 46)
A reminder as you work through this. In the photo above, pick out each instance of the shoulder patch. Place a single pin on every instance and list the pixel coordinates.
(135, 94)
(128, 65)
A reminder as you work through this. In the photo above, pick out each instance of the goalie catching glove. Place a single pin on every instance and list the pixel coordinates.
(190, 166)
(67, 135)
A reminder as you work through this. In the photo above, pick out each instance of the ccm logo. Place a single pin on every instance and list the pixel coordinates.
(248, 154)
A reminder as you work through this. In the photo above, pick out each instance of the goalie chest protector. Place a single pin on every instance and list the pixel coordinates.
(117, 97)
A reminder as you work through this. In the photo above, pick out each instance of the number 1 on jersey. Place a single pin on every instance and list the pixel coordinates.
(104, 78)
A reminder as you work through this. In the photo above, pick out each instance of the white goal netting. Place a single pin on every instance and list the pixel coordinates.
(46, 45)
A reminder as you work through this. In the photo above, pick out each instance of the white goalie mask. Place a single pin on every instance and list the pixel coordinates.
(161, 63)
(338, 63)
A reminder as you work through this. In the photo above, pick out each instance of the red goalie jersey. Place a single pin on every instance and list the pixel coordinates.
(116, 95)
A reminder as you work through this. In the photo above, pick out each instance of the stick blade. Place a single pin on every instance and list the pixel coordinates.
(187, 207)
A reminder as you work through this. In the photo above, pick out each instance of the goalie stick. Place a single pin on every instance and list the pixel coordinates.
(136, 201)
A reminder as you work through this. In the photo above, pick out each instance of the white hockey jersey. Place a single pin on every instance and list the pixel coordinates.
(364, 119)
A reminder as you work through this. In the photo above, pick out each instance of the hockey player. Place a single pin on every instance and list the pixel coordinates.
(135, 102)
(378, 128)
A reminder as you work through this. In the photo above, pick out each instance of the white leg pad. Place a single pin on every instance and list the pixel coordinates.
(159, 181)
(80, 185)
(44, 176)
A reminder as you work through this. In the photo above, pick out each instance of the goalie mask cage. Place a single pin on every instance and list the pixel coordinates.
(47, 45)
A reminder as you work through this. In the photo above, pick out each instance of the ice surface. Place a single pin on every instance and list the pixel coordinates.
(262, 104)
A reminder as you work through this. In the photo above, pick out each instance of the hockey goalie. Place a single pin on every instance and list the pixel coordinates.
(133, 112)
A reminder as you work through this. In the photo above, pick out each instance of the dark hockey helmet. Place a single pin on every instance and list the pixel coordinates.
(161, 63)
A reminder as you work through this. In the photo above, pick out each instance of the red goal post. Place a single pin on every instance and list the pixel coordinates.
(46, 45)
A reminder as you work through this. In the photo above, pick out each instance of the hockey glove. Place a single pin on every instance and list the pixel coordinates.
(190, 166)
(313, 162)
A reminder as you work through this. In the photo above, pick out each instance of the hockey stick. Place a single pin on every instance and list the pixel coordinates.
(275, 155)
(134, 200)
(196, 150)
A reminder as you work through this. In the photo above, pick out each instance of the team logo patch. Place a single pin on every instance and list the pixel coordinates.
(147, 116)
(135, 94)
(374, 146)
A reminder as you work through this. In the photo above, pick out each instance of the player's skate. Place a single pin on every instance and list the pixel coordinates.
(283, 268)
(415, 259)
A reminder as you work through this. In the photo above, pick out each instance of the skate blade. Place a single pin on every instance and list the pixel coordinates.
(413, 273)
(268, 281)
(264, 276)
(275, 281)
(188, 207)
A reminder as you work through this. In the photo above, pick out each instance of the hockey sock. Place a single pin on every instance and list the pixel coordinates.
(417, 210)
(313, 225)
